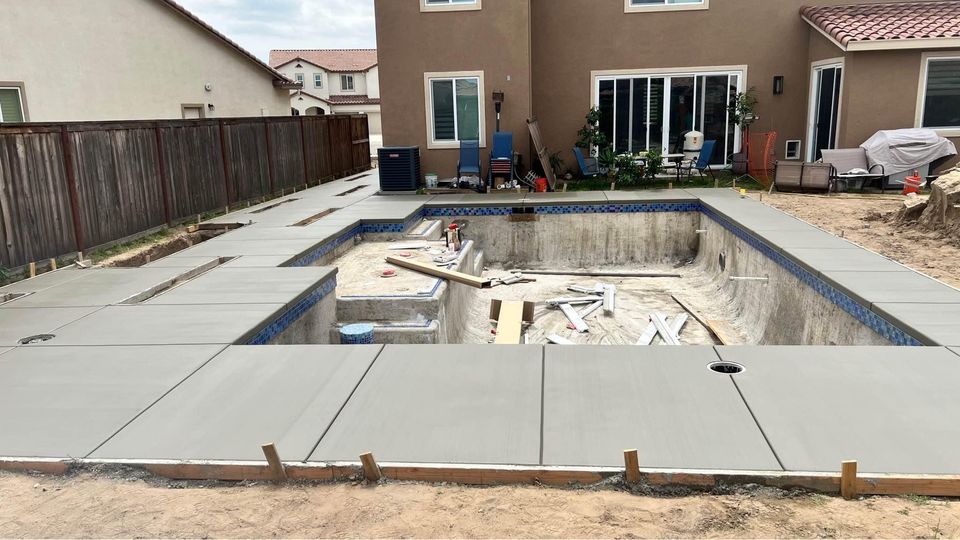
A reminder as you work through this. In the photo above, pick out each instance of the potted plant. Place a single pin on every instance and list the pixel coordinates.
(743, 108)
(590, 137)
(608, 160)
(654, 163)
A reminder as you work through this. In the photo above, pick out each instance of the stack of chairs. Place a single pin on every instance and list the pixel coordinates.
(501, 158)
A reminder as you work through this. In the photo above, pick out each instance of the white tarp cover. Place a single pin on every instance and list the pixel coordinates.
(901, 150)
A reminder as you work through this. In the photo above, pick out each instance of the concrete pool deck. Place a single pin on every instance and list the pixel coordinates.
(172, 377)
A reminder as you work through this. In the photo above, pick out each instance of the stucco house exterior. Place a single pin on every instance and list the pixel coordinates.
(827, 74)
(335, 81)
(82, 60)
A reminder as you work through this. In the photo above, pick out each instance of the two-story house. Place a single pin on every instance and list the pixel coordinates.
(826, 73)
(76, 60)
(335, 81)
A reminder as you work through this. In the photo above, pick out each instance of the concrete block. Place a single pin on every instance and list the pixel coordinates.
(47, 280)
(903, 287)
(569, 197)
(663, 401)
(63, 402)
(247, 286)
(227, 248)
(444, 404)
(650, 195)
(893, 409)
(16, 324)
(245, 397)
(931, 323)
(854, 259)
(100, 288)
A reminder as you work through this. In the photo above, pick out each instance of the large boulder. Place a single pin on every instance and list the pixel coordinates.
(941, 212)
(912, 208)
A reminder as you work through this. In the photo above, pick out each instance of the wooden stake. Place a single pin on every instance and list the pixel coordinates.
(632, 462)
(33, 269)
(276, 466)
(716, 183)
(613, 186)
(564, 190)
(669, 185)
(848, 479)
(371, 471)
(53, 264)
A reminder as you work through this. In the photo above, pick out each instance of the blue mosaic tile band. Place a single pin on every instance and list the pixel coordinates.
(468, 211)
(863, 314)
(326, 248)
(618, 208)
(284, 321)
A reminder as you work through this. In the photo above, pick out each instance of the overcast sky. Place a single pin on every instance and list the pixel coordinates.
(261, 25)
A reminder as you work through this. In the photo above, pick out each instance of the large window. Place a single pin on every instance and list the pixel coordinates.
(449, 5)
(652, 110)
(664, 5)
(11, 105)
(941, 94)
(318, 80)
(454, 108)
(346, 83)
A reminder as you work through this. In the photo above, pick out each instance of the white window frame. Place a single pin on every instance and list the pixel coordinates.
(474, 5)
(316, 77)
(630, 7)
(299, 77)
(428, 104)
(666, 74)
(820, 65)
(353, 82)
(926, 58)
(23, 108)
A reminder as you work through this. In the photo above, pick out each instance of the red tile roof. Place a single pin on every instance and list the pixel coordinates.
(335, 60)
(879, 26)
(341, 99)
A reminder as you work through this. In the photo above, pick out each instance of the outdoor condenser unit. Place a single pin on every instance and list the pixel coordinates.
(399, 168)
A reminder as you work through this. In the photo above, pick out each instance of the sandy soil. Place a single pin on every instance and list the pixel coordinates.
(96, 506)
(866, 220)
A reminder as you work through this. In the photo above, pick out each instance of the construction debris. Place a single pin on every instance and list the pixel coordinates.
(609, 298)
(597, 274)
(557, 340)
(666, 332)
(575, 319)
(590, 309)
(458, 277)
(675, 328)
(556, 302)
(510, 317)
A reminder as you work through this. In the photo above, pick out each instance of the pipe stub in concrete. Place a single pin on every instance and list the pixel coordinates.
(726, 368)
(39, 338)
(357, 334)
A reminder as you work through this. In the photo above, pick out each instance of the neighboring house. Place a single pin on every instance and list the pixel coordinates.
(76, 60)
(335, 81)
(829, 77)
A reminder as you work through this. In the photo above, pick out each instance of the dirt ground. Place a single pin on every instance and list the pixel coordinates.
(113, 506)
(866, 220)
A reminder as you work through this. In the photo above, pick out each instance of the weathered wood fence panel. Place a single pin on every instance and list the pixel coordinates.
(70, 187)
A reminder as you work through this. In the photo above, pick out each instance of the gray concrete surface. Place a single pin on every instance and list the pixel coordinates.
(16, 324)
(663, 401)
(47, 280)
(892, 410)
(63, 402)
(443, 403)
(932, 324)
(246, 397)
(883, 287)
(247, 286)
(852, 259)
(99, 288)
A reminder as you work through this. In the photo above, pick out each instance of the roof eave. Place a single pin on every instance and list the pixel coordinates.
(904, 44)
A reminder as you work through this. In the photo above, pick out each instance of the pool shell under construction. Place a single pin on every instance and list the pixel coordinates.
(189, 364)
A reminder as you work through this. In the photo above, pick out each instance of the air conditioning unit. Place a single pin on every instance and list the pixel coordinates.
(399, 168)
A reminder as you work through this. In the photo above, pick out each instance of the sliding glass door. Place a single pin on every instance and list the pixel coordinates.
(827, 82)
(643, 112)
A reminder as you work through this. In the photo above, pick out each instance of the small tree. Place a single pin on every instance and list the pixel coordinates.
(590, 136)
(743, 108)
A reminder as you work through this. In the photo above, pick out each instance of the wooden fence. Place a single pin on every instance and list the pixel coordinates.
(74, 186)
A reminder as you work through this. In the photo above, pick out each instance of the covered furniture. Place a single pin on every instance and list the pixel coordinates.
(501, 158)
(469, 163)
(589, 167)
(903, 151)
(851, 169)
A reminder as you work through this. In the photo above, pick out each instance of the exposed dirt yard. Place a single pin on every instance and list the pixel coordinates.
(866, 220)
(127, 506)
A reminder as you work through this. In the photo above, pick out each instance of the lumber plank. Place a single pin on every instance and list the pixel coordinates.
(665, 331)
(430, 270)
(631, 461)
(724, 332)
(691, 310)
(273, 460)
(574, 317)
(371, 471)
(848, 480)
(510, 323)
(599, 274)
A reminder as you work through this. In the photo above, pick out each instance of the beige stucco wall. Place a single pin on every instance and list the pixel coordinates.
(125, 59)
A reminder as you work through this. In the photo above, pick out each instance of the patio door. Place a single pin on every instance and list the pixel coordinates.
(655, 110)
(826, 85)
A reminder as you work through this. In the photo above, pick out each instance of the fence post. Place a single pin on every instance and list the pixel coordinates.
(266, 131)
(303, 151)
(333, 161)
(72, 187)
(163, 174)
(226, 162)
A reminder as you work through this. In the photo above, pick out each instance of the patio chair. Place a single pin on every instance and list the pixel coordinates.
(845, 162)
(501, 158)
(816, 177)
(702, 163)
(589, 167)
(469, 159)
(788, 176)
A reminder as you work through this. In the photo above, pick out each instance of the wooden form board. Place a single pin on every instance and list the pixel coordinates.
(721, 329)
(510, 316)
(442, 273)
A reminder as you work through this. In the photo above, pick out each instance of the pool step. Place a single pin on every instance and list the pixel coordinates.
(421, 332)
(427, 229)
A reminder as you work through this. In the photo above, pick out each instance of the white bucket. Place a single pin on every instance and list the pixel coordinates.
(432, 180)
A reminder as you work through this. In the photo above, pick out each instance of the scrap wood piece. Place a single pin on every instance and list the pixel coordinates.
(510, 316)
(580, 300)
(689, 309)
(557, 340)
(587, 311)
(599, 274)
(442, 273)
(575, 318)
(646, 338)
(724, 331)
(609, 298)
(665, 331)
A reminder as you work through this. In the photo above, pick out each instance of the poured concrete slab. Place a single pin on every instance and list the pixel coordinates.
(228, 248)
(16, 324)
(931, 323)
(500, 198)
(63, 402)
(245, 397)
(906, 287)
(47, 280)
(247, 286)
(317, 231)
(106, 286)
(854, 259)
(650, 195)
(146, 324)
(569, 197)
(893, 409)
(804, 237)
(242, 261)
(756, 217)
(443, 404)
(663, 401)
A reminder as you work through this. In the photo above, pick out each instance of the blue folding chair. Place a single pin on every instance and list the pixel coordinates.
(703, 161)
(589, 167)
(501, 158)
(469, 159)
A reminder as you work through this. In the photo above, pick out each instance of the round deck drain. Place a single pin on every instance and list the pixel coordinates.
(727, 368)
(39, 338)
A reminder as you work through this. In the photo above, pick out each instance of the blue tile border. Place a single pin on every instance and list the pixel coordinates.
(296, 311)
(327, 247)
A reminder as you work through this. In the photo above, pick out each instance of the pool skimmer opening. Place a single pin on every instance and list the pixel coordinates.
(726, 368)
(39, 338)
